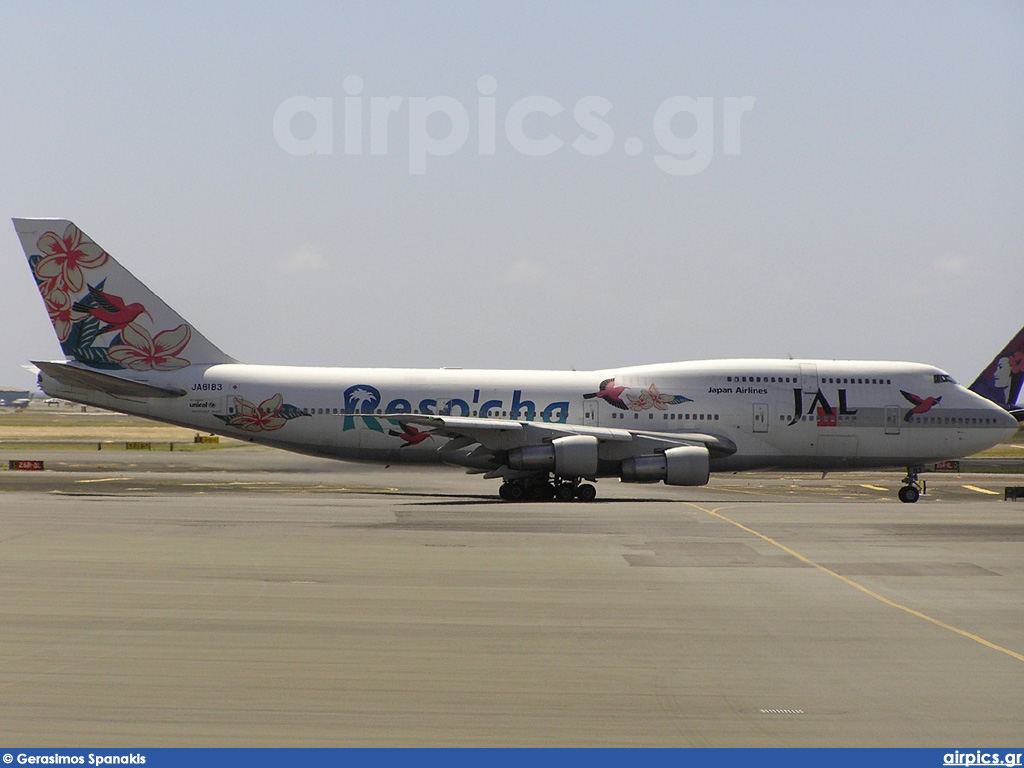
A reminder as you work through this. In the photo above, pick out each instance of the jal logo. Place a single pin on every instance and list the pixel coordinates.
(821, 408)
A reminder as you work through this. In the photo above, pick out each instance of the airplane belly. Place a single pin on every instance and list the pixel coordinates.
(838, 450)
(389, 441)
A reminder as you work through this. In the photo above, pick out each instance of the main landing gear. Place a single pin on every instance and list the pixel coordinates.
(544, 489)
(911, 490)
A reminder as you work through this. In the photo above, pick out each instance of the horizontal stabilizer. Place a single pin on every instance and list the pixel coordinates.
(101, 382)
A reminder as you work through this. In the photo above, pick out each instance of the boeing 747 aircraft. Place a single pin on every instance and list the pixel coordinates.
(543, 433)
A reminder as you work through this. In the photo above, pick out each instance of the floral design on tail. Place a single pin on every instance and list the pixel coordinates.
(85, 315)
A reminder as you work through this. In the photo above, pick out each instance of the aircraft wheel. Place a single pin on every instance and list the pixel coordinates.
(586, 492)
(540, 491)
(908, 494)
(565, 492)
(511, 491)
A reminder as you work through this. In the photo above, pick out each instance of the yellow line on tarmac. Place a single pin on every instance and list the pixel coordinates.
(865, 590)
(981, 490)
(873, 487)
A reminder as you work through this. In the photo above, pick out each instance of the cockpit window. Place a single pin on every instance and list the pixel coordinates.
(943, 378)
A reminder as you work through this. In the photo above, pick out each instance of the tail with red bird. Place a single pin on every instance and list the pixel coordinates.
(104, 317)
(1001, 380)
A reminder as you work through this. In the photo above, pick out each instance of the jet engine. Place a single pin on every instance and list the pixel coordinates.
(685, 465)
(570, 456)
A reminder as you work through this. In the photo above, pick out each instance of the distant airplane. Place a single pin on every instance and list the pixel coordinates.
(543, 433)
(1001, 380)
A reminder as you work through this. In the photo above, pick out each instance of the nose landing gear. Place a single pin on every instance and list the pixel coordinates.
(911, 490)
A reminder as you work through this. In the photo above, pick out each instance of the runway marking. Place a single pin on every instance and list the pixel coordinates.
(873, 487)
(981, 490)
(865, 590)
(101, 480)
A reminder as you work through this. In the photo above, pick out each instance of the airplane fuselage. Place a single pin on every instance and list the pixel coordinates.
(806, 414)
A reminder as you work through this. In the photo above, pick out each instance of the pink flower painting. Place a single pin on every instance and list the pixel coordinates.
(141, 352)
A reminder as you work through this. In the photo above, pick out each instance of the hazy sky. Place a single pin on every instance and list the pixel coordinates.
(737, 179)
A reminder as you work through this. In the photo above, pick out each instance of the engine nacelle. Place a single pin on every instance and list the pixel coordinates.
(685, 465)
(570, 456)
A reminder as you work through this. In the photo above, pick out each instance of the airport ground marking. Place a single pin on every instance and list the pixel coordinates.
(855, 585)
(873, 487)
(981, 490)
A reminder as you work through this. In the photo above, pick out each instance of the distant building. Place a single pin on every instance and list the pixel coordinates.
(9, 396)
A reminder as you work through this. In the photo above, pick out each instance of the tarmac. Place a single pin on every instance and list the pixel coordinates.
(249, 597)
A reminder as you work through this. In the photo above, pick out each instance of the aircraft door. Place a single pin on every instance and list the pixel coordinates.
(760, 417)
(809, 378)
(892, 419)
(590, 412)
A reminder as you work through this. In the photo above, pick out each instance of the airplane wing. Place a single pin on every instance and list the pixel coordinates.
(495, 435)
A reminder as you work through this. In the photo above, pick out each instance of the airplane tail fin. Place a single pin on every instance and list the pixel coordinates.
(1001, 380)
(104, 317)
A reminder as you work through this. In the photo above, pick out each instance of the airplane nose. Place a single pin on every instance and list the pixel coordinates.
(1008, 422)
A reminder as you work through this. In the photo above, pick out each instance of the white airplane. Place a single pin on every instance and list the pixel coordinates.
(542, 432)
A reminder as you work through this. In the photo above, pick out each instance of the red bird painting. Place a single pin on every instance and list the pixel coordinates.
(610, 394)
(110, 310)
(410, 434)
(921, 404)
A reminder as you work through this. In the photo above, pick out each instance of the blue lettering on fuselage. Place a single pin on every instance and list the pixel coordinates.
(362, 401)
